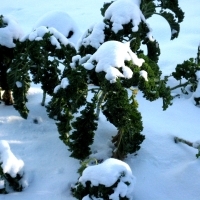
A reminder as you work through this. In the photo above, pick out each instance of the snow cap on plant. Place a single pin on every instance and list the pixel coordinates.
(9, 32)
(122, 12)
(96, 38)
(62, 22)
(119, 13)
(111, 173)
(64, 83)
(10, 164)
(112, 55)
(56, 38)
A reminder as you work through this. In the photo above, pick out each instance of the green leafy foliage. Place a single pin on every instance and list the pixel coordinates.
(83, 134)
(122, 112)
(114, 100)
(168, 9)
(61, 107)
(41, 59)
(186, 72)
(155, 87)
(6, 56)
(76, 106)
(100, 191)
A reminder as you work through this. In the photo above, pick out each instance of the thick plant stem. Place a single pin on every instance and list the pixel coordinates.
(117, 140)
(100, 101)
(43, 98)
(177, 139)
(180, 85)
(7, 97)
(195, 145)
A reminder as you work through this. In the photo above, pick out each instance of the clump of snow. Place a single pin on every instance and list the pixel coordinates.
(62, 22)
(196, 144)
(64, 83)
(107, 173)
(56, 89)
(12, 31)
(56, 38)
(19, 84)
(96, 38)
(80, 60)
(144, 74)
(10, 164)
(112, 55)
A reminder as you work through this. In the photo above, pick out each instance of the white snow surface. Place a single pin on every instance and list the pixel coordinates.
(112, 55)
(163, 170)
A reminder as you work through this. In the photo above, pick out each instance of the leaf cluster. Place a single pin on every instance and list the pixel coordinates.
(121, 111)
(187, 72)
(168, 9)
(83, 131)
(41, 59)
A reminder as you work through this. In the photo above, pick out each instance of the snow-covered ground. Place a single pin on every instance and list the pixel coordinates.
(163, 170)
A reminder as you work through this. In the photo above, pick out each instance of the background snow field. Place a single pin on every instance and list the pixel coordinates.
(163, 170)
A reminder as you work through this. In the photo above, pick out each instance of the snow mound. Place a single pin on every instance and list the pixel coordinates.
(10, 164)
(11, 31)
(62, 22)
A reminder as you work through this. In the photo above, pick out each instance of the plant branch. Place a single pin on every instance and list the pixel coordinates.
(101, 97)
(180, 85)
